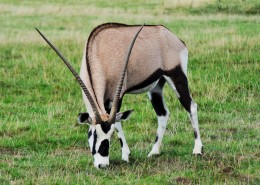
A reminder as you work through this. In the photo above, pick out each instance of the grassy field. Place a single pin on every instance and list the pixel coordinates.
(40, 100)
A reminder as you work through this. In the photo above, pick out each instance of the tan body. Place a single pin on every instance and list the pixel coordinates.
(156, 50)
(109, 70)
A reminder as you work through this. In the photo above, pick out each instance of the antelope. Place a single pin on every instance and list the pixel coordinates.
(107, 74)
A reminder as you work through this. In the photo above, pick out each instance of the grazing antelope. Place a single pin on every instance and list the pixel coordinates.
(106, 75)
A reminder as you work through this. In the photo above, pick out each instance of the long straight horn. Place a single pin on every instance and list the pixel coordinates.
(114, 108)
(81, 83)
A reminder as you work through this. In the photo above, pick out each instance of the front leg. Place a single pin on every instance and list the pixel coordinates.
(162, 112)
(162, 122)
(124, 146)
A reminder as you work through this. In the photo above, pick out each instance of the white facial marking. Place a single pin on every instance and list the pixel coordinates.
(100, 161)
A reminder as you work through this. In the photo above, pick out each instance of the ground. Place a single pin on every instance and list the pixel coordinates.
(40, 100)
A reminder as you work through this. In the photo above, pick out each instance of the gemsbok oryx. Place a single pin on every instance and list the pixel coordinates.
(108, 72)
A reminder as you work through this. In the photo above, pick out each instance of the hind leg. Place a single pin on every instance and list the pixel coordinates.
(179, 83)
(156, 98)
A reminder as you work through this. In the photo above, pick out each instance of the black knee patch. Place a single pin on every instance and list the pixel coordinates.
(157, 103)
(156, 139)
(104, 148)
(195, 134)
(121, 142)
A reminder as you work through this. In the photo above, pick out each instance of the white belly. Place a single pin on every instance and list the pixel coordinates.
(145, 89)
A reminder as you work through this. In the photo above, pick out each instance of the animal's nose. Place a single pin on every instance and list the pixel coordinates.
(102, 165)
(99, 165)
(100, 161)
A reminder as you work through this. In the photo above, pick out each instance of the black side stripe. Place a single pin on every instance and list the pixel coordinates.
(152, 78)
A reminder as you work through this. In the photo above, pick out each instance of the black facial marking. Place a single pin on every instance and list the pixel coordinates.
(89, 134)
(94, 143)
(157, 103)
(195, 135)
(105, 127)
(156, 139)
(82, 117)
(121, 142)
(104, 148)
(181, 83)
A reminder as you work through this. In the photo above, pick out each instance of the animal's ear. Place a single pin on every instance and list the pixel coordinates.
(123, 115)
(84, 118)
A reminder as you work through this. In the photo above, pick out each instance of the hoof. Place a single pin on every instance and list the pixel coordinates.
(125, 154)
(198, 150)
(152, 153)
(125, 157)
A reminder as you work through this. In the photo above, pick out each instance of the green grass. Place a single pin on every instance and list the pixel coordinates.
(40, 100)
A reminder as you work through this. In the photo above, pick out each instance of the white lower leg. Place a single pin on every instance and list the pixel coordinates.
(162, 123)
(194, 121)
(121, 136)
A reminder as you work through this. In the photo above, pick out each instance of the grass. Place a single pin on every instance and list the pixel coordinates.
(40, 100)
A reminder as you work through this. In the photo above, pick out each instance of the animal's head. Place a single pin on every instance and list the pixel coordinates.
(99, 135)
(101, 126)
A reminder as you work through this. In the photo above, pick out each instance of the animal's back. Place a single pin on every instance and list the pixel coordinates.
(156, 48)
